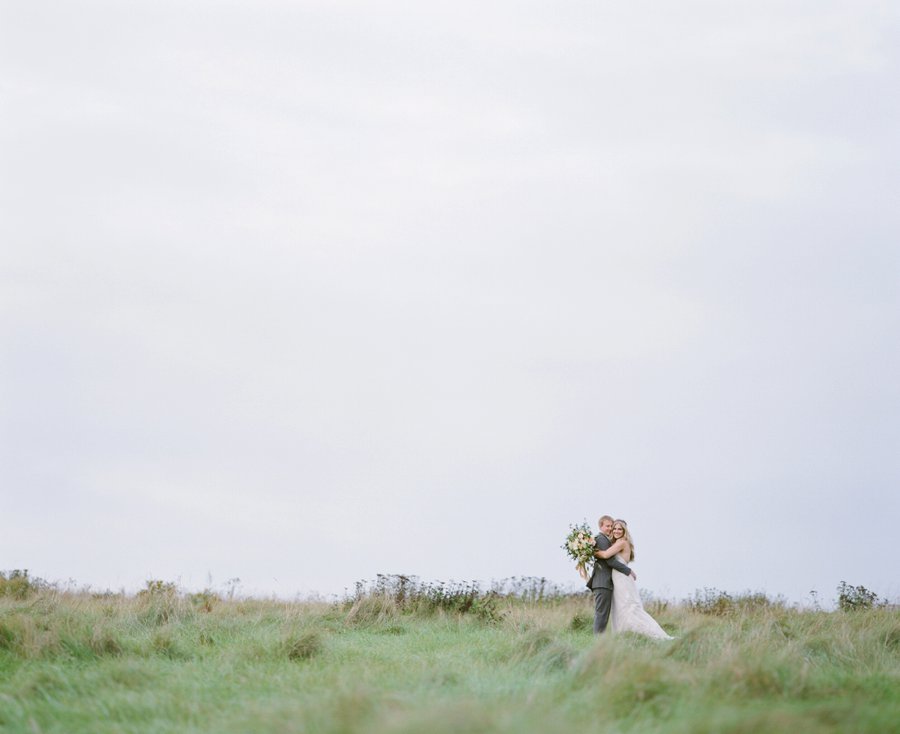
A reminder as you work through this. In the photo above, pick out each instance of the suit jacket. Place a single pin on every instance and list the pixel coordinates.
(602, 576)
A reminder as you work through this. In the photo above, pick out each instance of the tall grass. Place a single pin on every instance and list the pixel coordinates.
(401, 656)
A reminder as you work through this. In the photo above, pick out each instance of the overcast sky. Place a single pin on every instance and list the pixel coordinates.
(303, 292)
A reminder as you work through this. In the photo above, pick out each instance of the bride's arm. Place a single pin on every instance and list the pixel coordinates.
(612, 550)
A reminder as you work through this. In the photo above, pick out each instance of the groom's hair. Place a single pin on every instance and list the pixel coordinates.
(604, 518)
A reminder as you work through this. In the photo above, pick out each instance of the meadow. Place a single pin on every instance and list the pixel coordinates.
(399, 656)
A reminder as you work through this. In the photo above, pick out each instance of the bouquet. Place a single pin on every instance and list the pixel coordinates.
(580, 547)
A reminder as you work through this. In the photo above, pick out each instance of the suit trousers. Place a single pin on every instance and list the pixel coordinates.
(602, 605)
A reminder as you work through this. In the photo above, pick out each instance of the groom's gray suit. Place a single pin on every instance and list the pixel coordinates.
(601, 583)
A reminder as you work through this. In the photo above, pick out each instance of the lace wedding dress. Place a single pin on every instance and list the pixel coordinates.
(627, 613)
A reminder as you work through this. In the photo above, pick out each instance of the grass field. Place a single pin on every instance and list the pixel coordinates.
(457, 660)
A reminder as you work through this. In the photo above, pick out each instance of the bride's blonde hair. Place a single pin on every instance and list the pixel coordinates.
(627, 535)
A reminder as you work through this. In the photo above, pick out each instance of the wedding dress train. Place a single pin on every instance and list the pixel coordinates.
(627, 613)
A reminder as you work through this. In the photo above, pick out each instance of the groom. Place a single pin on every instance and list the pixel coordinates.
(600, 581)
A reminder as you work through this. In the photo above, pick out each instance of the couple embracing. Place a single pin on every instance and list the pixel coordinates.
(616, 598)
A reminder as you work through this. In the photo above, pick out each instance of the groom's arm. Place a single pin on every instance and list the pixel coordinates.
(618, 565)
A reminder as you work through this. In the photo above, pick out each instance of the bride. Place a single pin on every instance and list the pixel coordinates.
(627, 613)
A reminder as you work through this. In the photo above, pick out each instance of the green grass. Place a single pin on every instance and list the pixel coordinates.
(161, 662)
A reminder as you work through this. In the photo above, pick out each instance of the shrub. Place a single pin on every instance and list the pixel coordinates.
(29, 637)
(711, 601)
(721, 603)
(394, 594)
(105, 642)
(165, 643)
(303, 646)
(205, 600)
(157, 588)
(372, 609)
(854, 598)
(160, 600)
(580, 621)
(751, 601)
(9, 633)
(19, 585)
(531, 589)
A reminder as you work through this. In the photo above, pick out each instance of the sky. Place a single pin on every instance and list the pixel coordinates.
(299, 293)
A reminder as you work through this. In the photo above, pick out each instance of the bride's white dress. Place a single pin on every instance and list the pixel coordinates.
(627, 613)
